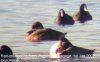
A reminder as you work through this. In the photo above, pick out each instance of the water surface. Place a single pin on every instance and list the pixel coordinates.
(17, 16)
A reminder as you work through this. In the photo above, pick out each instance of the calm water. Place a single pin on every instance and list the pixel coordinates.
(17, 16)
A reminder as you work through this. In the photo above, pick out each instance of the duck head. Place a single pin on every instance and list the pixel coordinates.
(37, 25)
(83, 7)
(61, 13)
(4, 49)
(65, 43)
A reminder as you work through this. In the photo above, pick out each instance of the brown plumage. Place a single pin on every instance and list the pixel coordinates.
(63, 18)
(83, 15)
(57, 48)
(37, 25)
(44, 34)
(65, 47)
(75, 51)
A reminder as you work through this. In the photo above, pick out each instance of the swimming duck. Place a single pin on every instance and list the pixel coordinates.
(7, 53)
(64, 47)
(83, 15)
(58, 48)
(44, 34)
(63, 18)
(78, 52)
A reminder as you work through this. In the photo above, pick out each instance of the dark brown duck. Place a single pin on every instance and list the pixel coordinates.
(83, 15)
(44, 34)
(63, 18)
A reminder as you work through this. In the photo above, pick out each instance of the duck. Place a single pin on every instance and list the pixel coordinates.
(44, 34)
(63, 18)
(65, 47)
(6, 51)
(57, 49)
(82, 15)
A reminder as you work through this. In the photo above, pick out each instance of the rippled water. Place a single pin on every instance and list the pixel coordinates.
(17, 16)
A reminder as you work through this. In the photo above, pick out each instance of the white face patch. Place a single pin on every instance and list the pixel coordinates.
(61, 14)
(53, 53)
(85, 8)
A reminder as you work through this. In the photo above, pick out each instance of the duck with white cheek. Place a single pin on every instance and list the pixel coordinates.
(58, 48)
(63, 18)
(83, 14)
